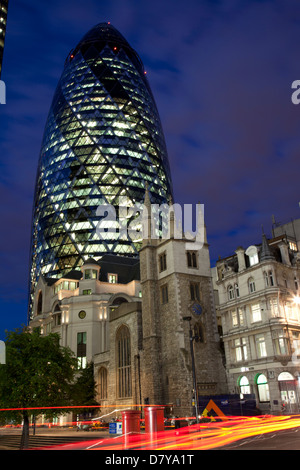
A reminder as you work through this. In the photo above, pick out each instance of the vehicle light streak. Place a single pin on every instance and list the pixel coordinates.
(199, 436)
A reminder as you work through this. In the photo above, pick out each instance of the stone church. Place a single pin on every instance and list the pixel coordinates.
(135, 320)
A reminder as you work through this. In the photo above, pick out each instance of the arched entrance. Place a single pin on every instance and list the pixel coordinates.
(262, 388)
(288, 392)
(244, 385)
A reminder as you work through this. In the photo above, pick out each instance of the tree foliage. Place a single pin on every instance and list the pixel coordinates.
(84, 390)
(38, 373)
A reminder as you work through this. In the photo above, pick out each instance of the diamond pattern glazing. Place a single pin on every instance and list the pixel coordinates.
(103, 140)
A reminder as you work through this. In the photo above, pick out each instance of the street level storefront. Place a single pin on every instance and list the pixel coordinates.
(274, 394)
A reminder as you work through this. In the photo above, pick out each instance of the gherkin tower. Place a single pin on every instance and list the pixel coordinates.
(103, 140)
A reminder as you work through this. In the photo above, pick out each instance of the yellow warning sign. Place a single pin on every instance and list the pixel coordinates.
(212, 406)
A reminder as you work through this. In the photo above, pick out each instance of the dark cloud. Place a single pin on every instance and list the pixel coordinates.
(221, 74)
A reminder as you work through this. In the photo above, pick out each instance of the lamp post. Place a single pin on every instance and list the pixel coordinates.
(192, 338)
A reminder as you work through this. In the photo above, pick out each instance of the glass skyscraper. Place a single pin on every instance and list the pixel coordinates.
(3, 19)
(103, 142)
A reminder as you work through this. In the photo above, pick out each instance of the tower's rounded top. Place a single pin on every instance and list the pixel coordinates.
(104, 31)
(105, 34)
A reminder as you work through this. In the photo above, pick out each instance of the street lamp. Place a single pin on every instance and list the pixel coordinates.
(297, 299)
(192, 338)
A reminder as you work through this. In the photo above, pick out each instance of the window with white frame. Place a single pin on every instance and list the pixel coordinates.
(255, 313)
(240, 349)
(244, 385)
(112, 278)
(251, 285)
(252, 253)
(260, 346)
(236, 290)
(230, 293)
(280, 342)
(274, 307)
(237, 317)
(234, 317)
(269, 280)
(291, 311)
(296, 343)
(263, 388)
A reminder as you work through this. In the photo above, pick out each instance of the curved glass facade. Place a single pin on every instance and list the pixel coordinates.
(103, 141)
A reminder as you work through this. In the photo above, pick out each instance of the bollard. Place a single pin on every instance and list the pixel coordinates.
(154, 419)
(131, 422)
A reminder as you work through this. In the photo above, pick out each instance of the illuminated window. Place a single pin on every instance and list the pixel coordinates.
(263, 388)
(252, 253)
(255, 313)
(260, 346)
(87, 292)
(123, 345)
(90, 273)
(113, 278)
(237, 317)
(240, 349)
(280, 342)
(244, 385)
(81, 350)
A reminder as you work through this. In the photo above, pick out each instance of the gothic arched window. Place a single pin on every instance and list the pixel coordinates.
(102, 383)
(39, 303)
(123, 362)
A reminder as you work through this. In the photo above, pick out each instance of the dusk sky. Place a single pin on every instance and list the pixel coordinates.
(221, 74)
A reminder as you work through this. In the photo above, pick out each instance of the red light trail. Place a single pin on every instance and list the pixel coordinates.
(203, 436)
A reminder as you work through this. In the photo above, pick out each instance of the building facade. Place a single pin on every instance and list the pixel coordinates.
(258, 308)
(136, 327)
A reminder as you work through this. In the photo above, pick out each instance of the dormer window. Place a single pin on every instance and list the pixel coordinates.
(90, 274)
(112, 278)
(252, 253)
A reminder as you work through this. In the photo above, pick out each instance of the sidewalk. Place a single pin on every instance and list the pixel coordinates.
(10, 438)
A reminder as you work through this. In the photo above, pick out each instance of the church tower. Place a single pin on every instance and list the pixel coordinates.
(177, 296)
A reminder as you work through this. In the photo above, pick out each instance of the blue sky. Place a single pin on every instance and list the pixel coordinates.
(221, 74)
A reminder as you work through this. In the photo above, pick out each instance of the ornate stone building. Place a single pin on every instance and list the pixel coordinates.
(258, 292)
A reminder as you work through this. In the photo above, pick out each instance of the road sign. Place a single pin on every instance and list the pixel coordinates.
(212, 406)
(115, 428)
